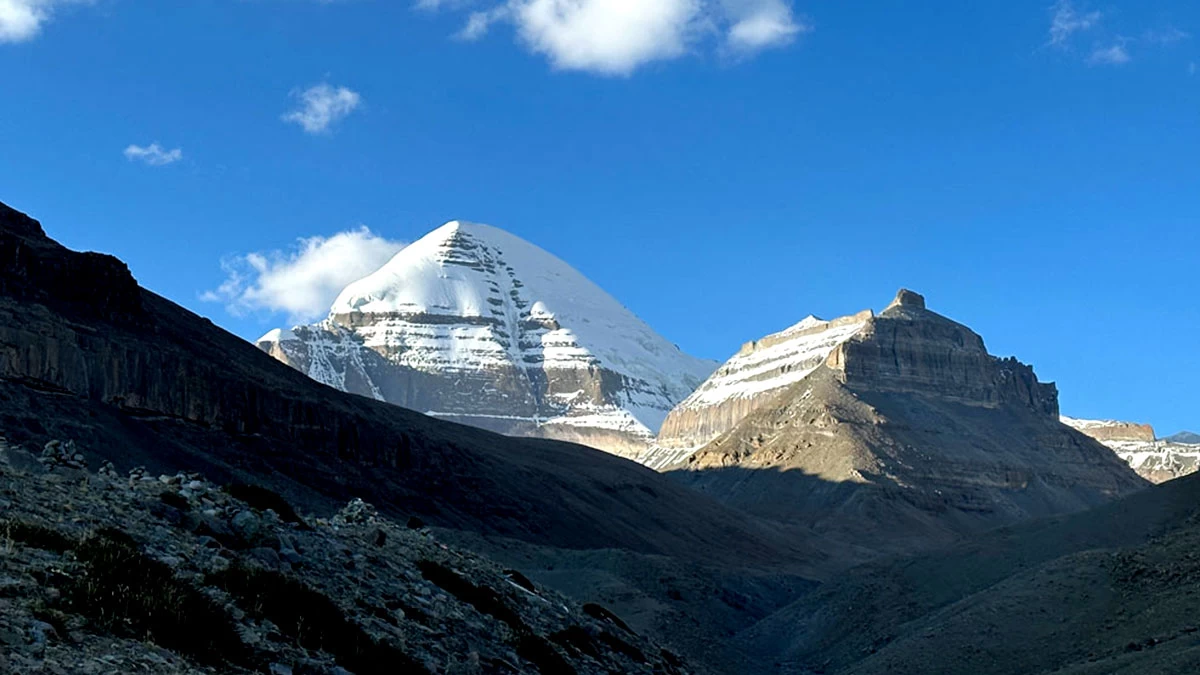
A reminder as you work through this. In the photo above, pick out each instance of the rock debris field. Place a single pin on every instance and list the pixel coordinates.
(124, 572)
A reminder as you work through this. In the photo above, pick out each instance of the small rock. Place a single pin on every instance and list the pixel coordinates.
(357, 512)
(10, 638)
(280, 669)
(248, 526)
(266, 556)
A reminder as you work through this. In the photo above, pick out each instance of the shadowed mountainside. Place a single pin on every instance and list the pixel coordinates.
(1111, 590)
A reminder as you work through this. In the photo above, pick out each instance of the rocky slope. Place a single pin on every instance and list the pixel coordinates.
(750, 379)
(1111, 590)
(475, 325)
(107, 573)
(1156, 460)
(909, 434)
(136, 380)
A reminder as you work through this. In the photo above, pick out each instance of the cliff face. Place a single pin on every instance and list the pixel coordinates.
(910, 433)
(909, 349)
(1113, 431)
(759, 372)
(475, 325)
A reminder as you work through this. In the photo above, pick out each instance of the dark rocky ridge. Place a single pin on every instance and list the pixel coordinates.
(909, 436)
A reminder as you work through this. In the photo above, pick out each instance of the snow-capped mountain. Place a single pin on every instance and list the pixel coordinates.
(475, 325)
(757, 373)
(1156, 460)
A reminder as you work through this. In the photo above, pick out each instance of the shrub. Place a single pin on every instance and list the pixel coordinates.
(175, 501)
(35, 536)
(312, 620)
(599, 612)
(262, 499)
(482, 598)
(542, 654)
(122, 590)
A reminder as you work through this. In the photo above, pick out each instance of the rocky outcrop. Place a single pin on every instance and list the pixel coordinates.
(908, 349)
(474, 325)
(750, 379)
(1112, 431)
(1158, 461)
(909, 433)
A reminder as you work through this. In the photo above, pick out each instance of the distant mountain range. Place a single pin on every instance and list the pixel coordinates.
(1186, 437)
(1157, 460)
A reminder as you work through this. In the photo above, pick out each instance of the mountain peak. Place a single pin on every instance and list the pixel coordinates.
(907, 298)
(477, 325)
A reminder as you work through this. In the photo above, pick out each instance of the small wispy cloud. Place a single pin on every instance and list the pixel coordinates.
(304, 280)
(1075, 29)
(22, 20)
(321, 107)
(1112, 55)
(764, 24)
(1165, 36)
(151, 155)
(616, 37)
(1066, 21)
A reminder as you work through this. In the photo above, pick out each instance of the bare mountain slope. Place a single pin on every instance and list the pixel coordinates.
(1111, 590)
(909, 434)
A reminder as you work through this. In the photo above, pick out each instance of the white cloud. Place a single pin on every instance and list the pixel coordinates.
(1113, 55)
(22, 20)
(304, 281)
(153, 154)
(615, 37)
(479, 23)
(1192, 68)
(607, 36)
(767, 23)
(1066, 21)
(322, 106)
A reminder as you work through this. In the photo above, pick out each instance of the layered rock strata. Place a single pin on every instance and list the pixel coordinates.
(475, 325)
(909, 431)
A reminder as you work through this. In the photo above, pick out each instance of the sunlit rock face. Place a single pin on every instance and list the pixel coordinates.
(1157, 460)
(475, 325)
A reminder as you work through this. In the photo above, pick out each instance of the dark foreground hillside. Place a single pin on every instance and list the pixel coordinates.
(113, 573)
(1111, 590)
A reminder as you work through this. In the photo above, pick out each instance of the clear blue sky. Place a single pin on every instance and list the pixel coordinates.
(1036, 174)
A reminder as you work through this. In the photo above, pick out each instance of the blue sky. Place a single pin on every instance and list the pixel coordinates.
(723, 167)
